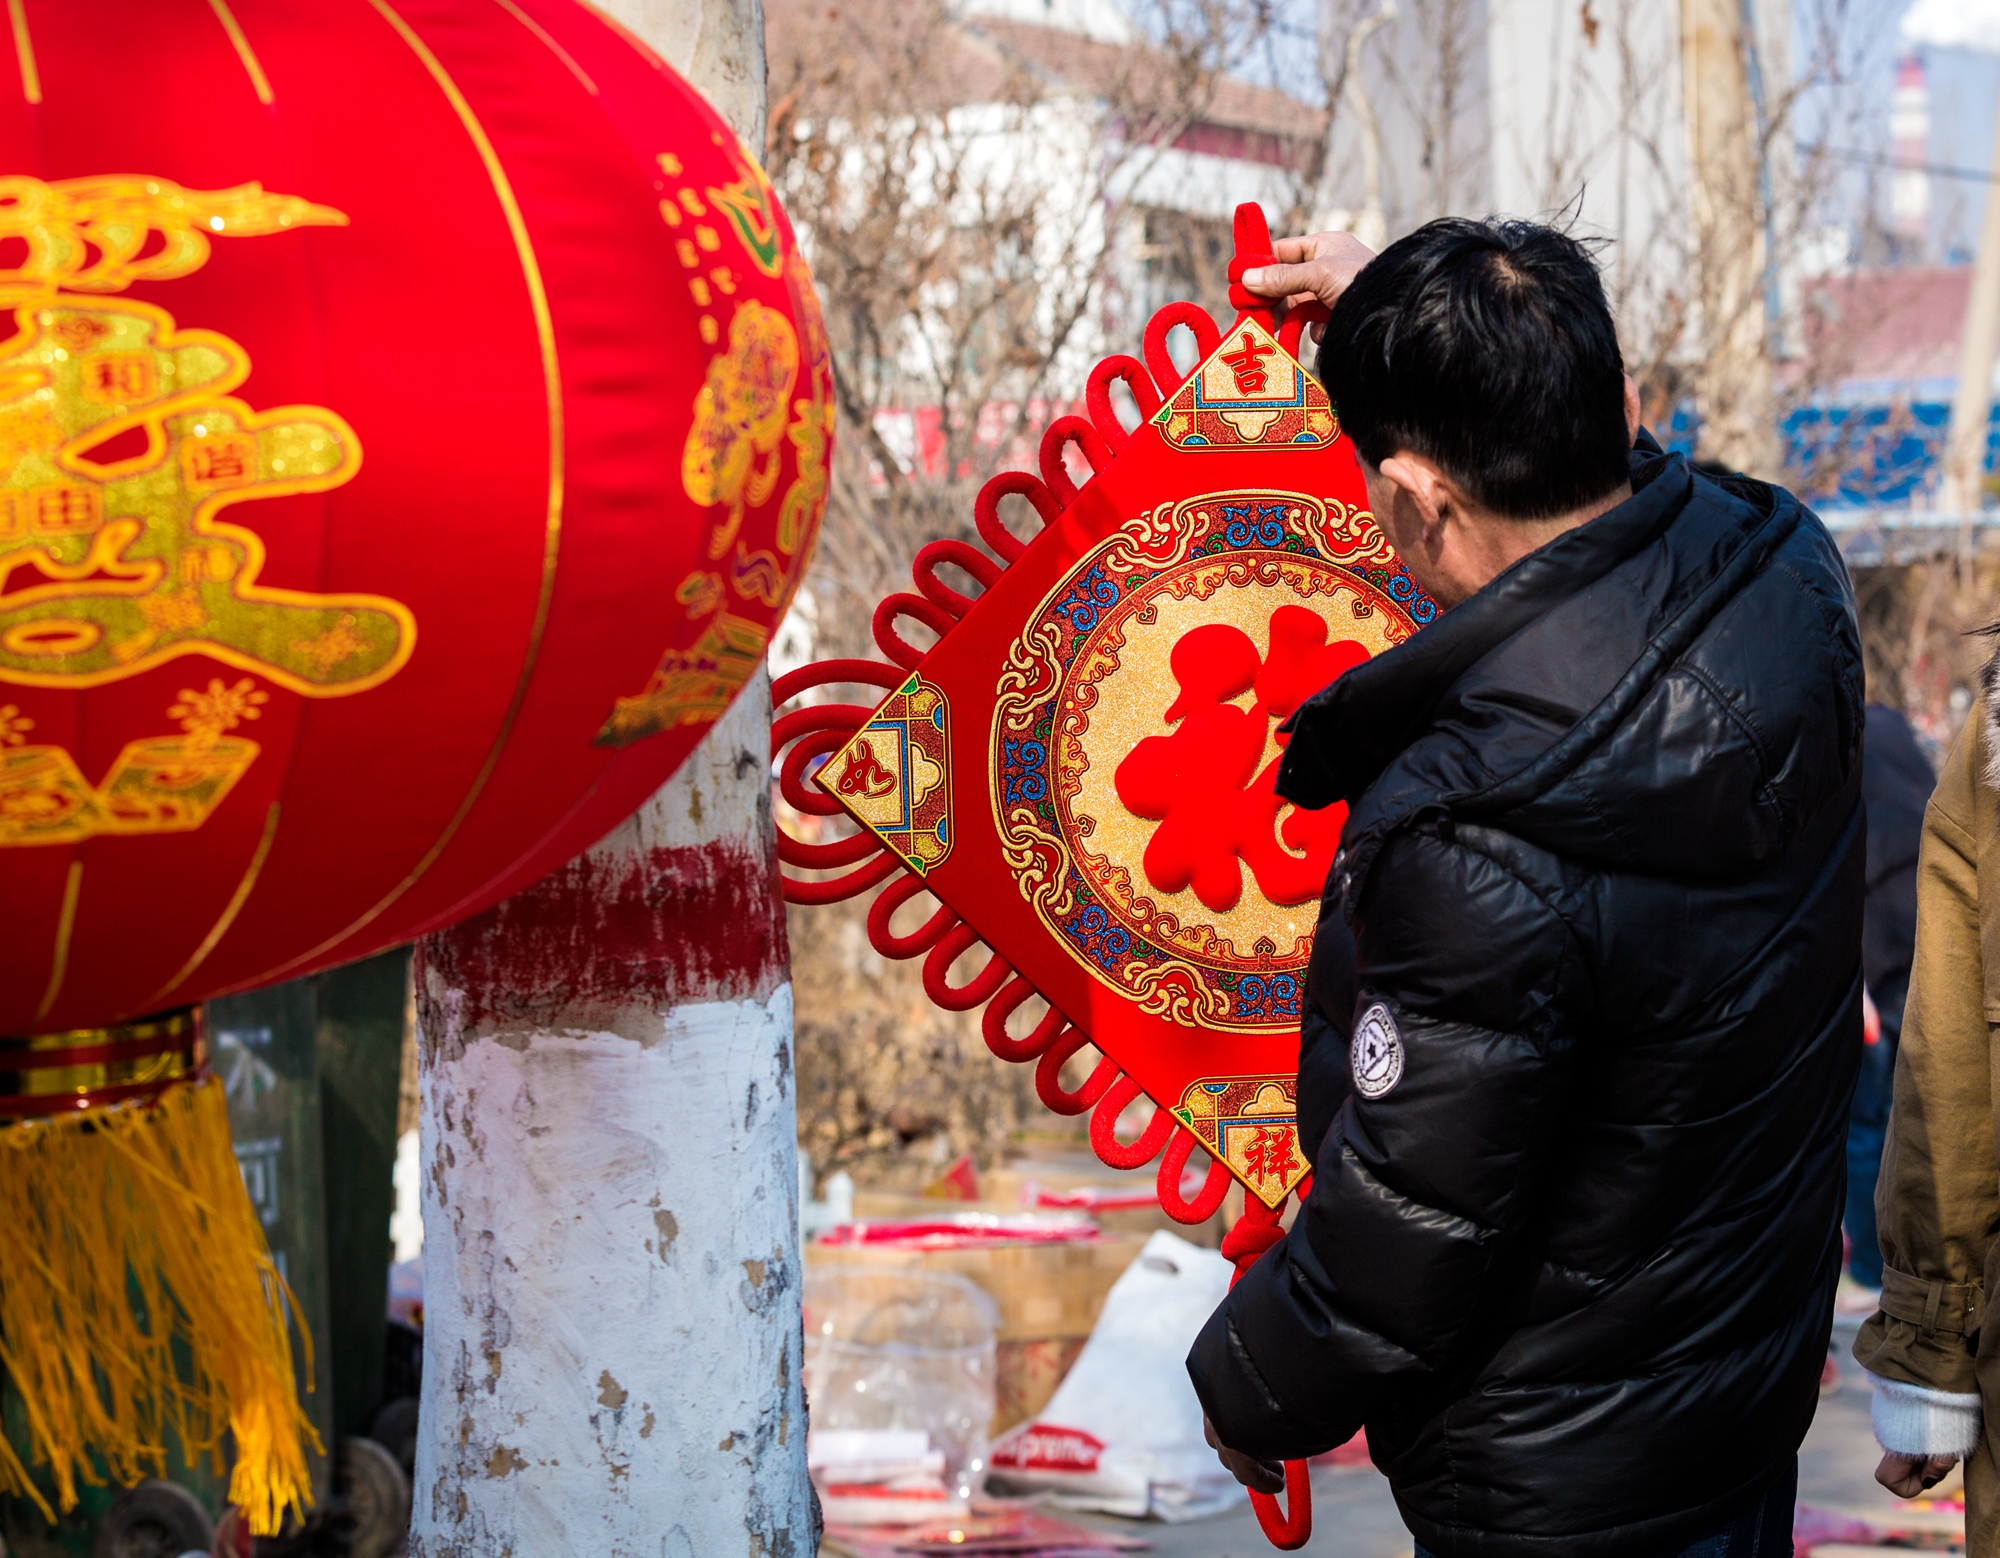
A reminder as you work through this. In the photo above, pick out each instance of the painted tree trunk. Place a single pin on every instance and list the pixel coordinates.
(612, 1344)
(612, 1340)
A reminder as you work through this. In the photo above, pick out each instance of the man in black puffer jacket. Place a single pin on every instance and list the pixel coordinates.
(1586, 999)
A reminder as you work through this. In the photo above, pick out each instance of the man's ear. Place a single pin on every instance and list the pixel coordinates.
(1430, 493)
(1631, 411)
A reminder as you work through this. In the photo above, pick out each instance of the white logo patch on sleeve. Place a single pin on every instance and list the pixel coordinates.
(1377, 1052)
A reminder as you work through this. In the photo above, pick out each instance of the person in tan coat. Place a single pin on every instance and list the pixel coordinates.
(1934, 1365)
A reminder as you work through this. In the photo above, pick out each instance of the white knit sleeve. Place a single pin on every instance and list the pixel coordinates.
(1911, 1420)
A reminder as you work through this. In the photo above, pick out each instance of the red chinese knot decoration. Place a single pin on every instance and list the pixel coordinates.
(1083, 769)
(414, 419)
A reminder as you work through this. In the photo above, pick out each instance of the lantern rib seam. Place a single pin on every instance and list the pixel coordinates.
(551, 371)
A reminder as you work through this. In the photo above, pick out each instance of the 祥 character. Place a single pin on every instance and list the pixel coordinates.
(1585, 1000)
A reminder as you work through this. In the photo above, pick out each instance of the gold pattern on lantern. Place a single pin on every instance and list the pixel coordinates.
(692, 686)
(758, 576)
(751, 209)
(700, 592)
(338, 644)
(730, 459)
(811, 433)
(160, 784)
(116, 547)
(206, 715)
(122, 449)
(99, 234)
(734, 451)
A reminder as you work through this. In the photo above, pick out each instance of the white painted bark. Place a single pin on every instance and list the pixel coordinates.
(612, 1343)
(717, 44)
(611, 1288)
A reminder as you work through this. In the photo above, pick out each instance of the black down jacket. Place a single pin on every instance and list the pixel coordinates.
(1574, 1230)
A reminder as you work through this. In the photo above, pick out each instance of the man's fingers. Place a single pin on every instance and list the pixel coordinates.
(1263, 1476)
(1260, 1476)
(1276, 281)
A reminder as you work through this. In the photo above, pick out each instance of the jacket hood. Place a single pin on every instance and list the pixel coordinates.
(1666, 688)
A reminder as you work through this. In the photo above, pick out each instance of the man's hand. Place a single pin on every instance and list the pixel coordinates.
(1903, 1475)
(1318, 267)
(1258, 1476)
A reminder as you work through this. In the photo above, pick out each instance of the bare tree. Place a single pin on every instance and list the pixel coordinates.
(982, 201)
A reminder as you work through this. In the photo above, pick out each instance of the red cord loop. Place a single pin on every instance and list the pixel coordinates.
(792, 775)
(993, 1024)
(1288, 1533)
(920, 940)
(1255, 1232)
(1207, 1200)
(1103, 1128)
(1252, 1234)
(1097, 397)
(788, 727)
(1291, 334)
(826, 673)
(978, 990)
(828, 857)
(959, 555)
(1068, 430)
(799, 890)
(892, 643)
(1253, 251)
(1161, 361)
(986, 510)
(1048, 1076)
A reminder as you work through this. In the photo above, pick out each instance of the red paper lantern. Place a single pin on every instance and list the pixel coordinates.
(414, 419)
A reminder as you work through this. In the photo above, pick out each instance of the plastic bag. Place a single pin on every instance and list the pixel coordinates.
(1123, 1430)
(899, 1381)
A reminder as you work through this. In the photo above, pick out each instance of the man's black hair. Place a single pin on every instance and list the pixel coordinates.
(1488, 348)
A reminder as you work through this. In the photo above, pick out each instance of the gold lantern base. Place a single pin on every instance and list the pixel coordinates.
(140, 1305)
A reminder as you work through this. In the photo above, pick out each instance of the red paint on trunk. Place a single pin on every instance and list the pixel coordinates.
(613, 930)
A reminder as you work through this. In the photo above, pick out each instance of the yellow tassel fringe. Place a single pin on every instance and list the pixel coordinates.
(131, 1240)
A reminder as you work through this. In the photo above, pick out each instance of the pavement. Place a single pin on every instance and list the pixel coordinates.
(1355, 1517)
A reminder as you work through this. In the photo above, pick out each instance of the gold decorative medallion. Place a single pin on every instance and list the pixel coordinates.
(1135, 746)
(1249, 391)
(894, 777)
(1252, 1124)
